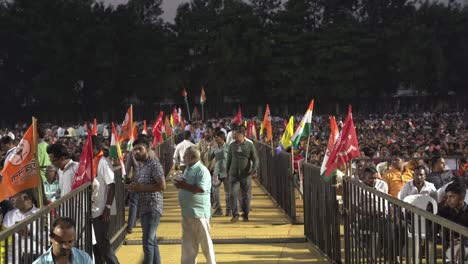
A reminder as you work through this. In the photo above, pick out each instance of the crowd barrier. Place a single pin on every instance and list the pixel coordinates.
(25, 241)
(381, 229)
(321, 214)
(275, 174)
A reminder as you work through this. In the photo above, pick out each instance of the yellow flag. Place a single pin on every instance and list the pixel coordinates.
(287, 135)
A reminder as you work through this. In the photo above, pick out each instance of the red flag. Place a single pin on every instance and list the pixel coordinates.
(84, 173)
(145, 129)
(346, 146)
(238, 118)
(94, 132)
(184, 93)
(157, 129)
(20, 169)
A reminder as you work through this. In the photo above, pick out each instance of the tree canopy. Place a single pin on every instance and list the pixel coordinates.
(72, 59)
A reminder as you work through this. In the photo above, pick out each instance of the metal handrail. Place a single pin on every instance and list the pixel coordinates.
(429, 216)
(41, 213)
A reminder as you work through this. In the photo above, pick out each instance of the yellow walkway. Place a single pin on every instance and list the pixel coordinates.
(269, 237)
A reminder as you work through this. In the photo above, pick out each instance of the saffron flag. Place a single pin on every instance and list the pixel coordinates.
(126, 130)
(145, 129)
(331, 142)
(304, 128)
(157, 129)
(20, 171)
(267, 123)
(202, 96)
(175, 118)
(184, 93)
(254, 130)
(94, 132)
(346, 146)
(115, 151)
(287, 135)
(84, 173)
(238, 118)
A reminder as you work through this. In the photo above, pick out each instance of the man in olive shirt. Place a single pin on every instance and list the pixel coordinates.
(242, 161)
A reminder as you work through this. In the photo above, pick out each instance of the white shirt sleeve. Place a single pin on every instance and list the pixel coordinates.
(106, 171)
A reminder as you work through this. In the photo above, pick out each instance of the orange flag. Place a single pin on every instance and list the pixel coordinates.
(126, 130)
(94, 132)
(20, 170)
(267, 123)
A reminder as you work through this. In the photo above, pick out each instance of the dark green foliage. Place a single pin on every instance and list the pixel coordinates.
(72, 59)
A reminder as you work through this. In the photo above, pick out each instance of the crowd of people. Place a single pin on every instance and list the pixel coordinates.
(402, 155)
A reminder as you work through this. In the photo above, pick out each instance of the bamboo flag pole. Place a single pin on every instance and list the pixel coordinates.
(307, 148)
(40, 187)
(272, 149)
(202, 113)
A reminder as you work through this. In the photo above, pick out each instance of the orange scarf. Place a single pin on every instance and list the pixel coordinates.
(96, 160)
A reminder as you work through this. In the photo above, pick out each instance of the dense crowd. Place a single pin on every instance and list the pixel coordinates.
(400, 155)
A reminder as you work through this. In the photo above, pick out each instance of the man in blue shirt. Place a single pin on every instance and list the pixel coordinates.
(194, 200)
(63, 237)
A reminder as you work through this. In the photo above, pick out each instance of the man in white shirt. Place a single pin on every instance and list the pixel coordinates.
(371, 179)
(418, 185)
(104, 205)
(7, 145)
(60, 158)
(24, 207)
(180, 149)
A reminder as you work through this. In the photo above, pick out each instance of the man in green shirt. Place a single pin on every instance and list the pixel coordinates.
(42, 155)
(194, 200)
(242, 162)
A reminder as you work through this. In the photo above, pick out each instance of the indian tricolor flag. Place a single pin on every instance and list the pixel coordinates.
(202, 96)
(115, 151)
(331, 142)
(304, 128)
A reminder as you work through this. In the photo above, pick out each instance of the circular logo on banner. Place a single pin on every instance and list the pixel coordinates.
(21, 152)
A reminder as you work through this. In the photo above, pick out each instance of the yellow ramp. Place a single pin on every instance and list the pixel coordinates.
(268, 237)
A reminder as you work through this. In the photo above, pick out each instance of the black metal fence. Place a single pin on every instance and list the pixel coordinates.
(165, 153)
(275, 174)
(25, 241)
(321, 214)
(382, 229)
(117, 222)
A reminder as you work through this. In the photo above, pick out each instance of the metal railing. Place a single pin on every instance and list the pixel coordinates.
(117, 222)
(275, 174)
(321, 214)
(382, 229)
(25, 241)
(166, 153)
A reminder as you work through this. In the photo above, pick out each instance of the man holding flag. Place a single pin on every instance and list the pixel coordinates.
(104, 205)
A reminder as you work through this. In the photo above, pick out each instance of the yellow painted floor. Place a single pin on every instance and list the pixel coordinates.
(267, 222)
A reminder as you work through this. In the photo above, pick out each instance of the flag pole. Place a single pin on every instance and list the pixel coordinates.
(307, 148)
(188, 109)
(272, 148)
(292, 159)
(40, 187)
(202, 113)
